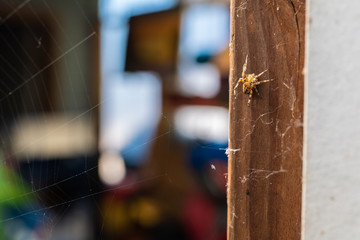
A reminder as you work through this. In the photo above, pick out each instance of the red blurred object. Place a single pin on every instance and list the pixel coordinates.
(199, 217)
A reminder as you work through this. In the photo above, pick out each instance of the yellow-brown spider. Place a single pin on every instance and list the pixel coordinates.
(250, 81)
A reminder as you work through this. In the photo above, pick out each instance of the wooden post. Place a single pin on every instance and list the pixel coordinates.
(266, 138)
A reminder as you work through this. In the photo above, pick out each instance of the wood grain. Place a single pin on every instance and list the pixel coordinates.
(266, 139)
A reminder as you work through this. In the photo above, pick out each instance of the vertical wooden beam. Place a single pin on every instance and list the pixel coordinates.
(266, 138)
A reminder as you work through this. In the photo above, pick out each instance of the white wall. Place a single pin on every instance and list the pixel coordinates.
(332, 129)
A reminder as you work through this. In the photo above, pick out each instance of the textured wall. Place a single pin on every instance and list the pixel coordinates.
(332, 195)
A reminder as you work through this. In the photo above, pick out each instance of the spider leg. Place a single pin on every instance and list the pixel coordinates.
(237, 84)
(244, 67)
(250, 95)
(264, 81)
(261, 73)
(257, 91)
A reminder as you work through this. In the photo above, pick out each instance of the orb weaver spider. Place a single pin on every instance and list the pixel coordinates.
(250, 81)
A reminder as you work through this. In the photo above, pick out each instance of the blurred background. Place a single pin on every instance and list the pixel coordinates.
(114, 120)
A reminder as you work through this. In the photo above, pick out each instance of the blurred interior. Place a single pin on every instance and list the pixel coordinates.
(114, 120)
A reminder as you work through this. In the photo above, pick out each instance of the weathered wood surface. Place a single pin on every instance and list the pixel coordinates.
(266, 138)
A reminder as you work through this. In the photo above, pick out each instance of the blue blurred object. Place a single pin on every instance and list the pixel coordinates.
(202, 155)
(205, 31)
(130, 115)
(109, 8)
(131, 102)
(209, 162)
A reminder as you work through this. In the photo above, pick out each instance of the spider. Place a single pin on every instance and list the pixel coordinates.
(250, 81)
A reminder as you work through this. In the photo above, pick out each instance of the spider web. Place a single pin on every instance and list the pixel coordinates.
(47, 85)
